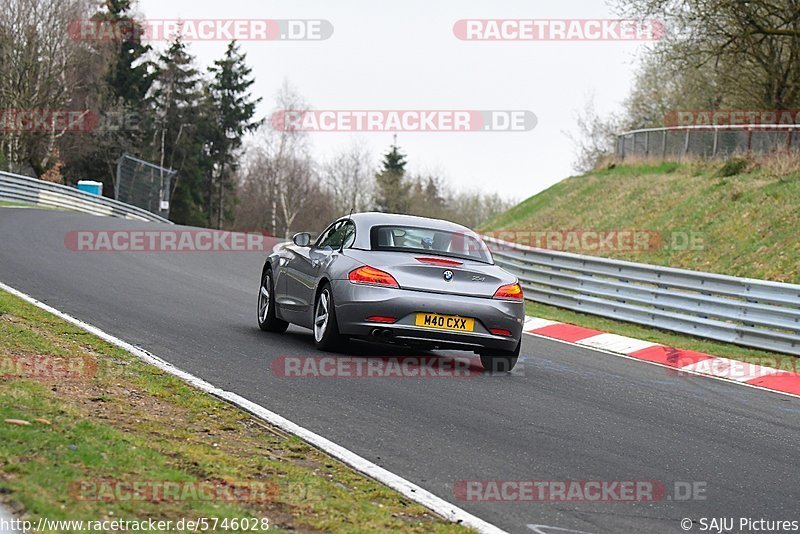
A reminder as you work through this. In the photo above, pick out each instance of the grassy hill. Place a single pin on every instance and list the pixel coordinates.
(746, 211)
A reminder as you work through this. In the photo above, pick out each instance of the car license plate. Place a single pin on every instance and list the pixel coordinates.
(445, 322)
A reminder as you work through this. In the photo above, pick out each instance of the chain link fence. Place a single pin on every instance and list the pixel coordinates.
(707, 141)
(144, 185)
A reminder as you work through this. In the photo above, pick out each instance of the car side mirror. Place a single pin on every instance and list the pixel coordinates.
(303, 239)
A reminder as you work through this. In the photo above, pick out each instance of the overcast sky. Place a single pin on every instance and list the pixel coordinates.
(404, 55)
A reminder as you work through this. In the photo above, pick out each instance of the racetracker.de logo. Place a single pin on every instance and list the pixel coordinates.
(373, 367)
(577, 491)
(149, 30)
(48, 120)
(110, 490)
(47, 367)
(197, 240)
(732, 117)
(623, 240)
(559, 30)
(407, 120)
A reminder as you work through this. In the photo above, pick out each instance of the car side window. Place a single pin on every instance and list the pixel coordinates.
(342, 233)
(325, 240)
(325, 235)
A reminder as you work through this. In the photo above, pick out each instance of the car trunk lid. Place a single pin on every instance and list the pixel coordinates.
(427, 272)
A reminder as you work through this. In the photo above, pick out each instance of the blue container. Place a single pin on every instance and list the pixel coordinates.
(93, 188)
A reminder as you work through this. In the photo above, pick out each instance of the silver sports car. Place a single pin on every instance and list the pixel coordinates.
(398, 279)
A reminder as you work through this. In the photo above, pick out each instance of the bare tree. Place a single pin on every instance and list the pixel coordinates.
(41, 66)
(288, 148)
(595, 139)
(474, 208)
(350, 177)
(751, 47)
(280, 179)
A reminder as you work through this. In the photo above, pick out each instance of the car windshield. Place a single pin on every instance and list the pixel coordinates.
(439, 242)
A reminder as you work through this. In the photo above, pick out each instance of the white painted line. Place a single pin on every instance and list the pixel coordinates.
(616, 343)
(730, 369)
(7, 522)
(401, 485)
(534, 323)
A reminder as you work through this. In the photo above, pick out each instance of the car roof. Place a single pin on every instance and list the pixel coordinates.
(365, 221)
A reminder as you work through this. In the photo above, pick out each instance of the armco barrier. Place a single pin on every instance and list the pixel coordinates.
(16, 188)
(753, 313)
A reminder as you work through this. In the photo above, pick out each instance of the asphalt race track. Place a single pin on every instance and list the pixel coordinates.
(570, 414)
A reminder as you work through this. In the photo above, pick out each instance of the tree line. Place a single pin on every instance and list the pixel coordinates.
(233, 169)
(284, 187)
(157, 106)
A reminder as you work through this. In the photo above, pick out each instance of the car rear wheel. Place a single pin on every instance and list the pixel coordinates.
(267, 320)
(326, 329)
(500, 362)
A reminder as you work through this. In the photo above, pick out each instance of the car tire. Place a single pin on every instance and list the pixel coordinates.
(324, 326)
(267, 320)
(496, 362)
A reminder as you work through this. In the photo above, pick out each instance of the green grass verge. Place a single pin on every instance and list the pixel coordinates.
(127, 421)
(664, 337)
(747, 214)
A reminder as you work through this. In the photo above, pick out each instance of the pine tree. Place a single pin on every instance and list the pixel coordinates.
(233, 111)
(393, 190)
(131, 74)
(177, 141)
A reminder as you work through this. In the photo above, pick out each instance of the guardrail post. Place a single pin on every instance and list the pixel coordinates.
(686, 143)
(716, 142)
(664, 145)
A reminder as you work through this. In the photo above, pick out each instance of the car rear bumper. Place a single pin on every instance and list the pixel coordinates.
(355, 303)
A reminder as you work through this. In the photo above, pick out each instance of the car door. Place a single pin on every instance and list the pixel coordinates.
(302, 273)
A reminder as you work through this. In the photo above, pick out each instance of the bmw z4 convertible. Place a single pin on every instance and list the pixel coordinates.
(400, 279)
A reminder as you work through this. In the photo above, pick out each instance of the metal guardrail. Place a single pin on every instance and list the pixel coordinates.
(744, 311)
(24, 189)
(707, 141)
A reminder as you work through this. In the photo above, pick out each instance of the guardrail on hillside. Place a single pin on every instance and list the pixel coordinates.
(17, 188)
(707, 141)
(753, 313)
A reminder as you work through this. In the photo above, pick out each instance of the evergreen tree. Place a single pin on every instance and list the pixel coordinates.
(392, 189)
(233, 111)
(177, 140)
(131, 75)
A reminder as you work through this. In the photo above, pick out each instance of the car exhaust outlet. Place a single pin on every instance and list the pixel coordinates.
(387, 334)
(376, 332)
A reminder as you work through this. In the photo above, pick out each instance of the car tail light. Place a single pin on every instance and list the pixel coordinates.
(372, 276)
(440, 262)
(500, 332)
(382, 319)
(509, 292)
